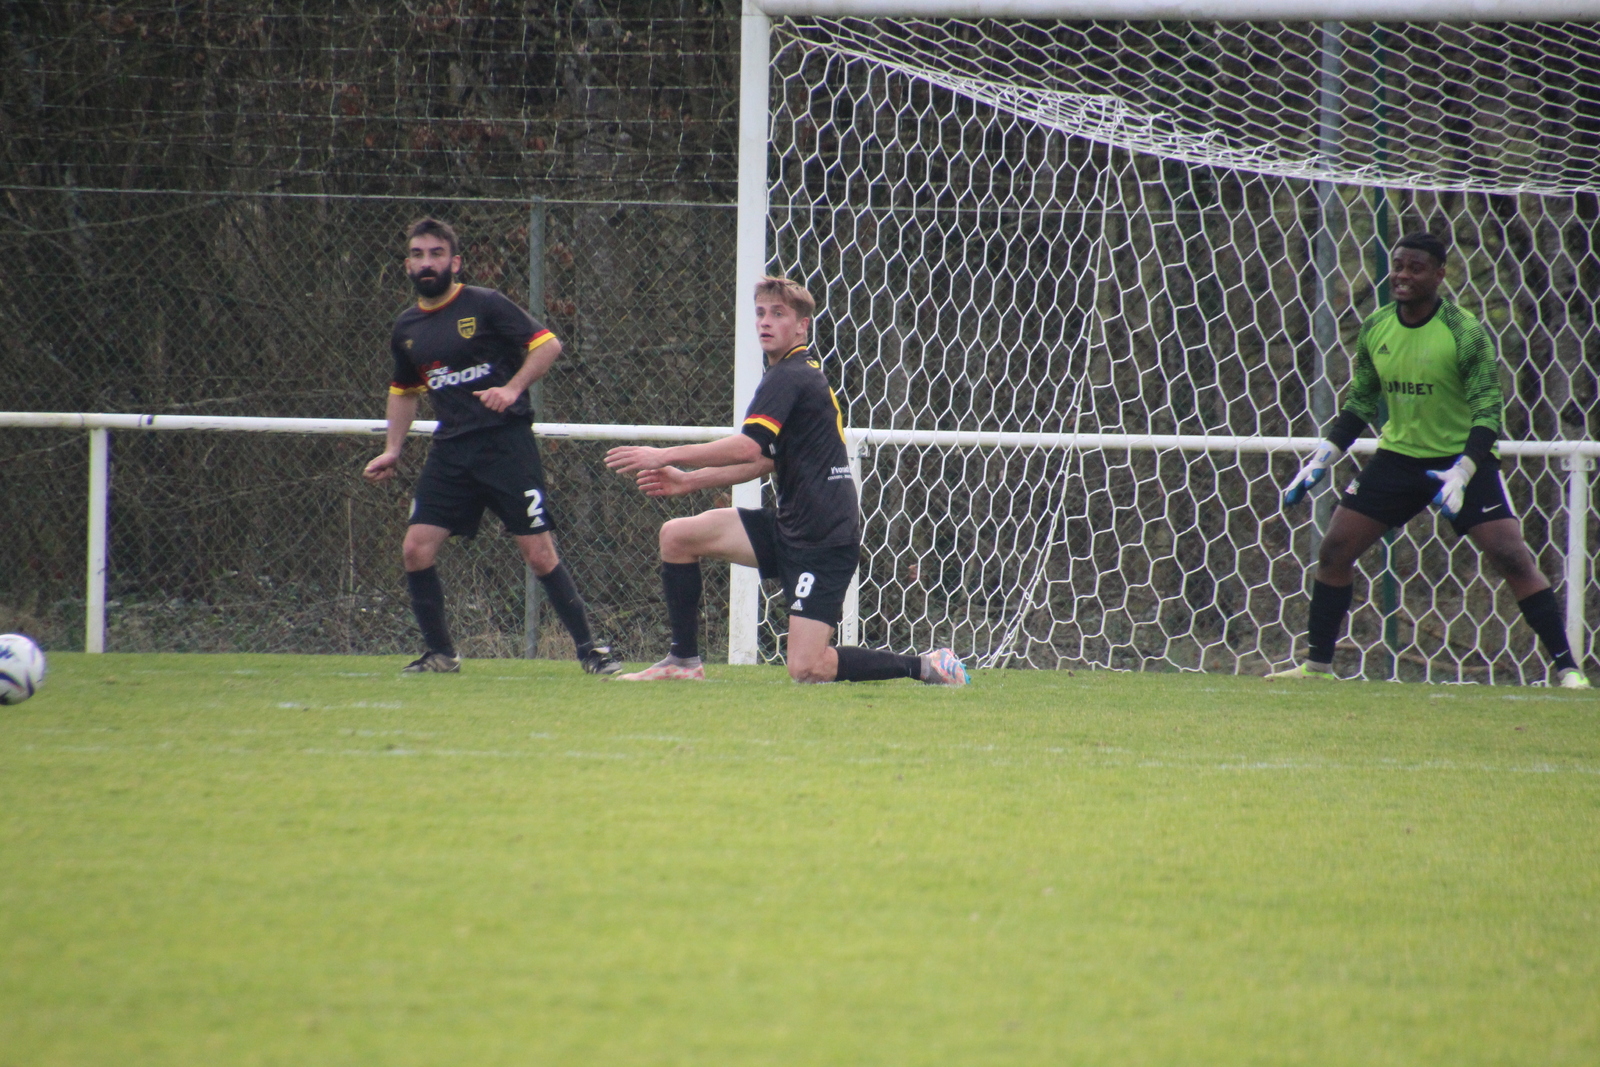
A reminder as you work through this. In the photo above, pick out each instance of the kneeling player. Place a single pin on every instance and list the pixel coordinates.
(810, 543)
(1435, 364)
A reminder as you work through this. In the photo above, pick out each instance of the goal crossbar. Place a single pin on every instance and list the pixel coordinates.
(1193, 10)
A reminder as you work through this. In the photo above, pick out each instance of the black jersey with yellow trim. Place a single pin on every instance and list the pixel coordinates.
(796, 420)
(475, 340)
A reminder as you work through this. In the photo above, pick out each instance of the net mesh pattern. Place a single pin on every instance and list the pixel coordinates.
(1181, 254)
(1500, 108)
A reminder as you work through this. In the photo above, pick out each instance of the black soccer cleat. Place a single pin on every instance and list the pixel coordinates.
(599, 660)
(433, 663)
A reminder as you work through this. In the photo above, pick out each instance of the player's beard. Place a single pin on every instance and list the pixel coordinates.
(430, 285)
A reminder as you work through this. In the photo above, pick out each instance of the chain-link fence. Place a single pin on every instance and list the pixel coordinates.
(281, 306)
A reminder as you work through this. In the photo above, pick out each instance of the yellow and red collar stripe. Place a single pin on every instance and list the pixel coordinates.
(451, 299)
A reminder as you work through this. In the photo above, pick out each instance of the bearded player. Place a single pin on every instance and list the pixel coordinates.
(1434, 365)
(474, 353)
(810, 542)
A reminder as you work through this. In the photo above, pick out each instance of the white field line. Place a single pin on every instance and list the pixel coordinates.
(1094, 758)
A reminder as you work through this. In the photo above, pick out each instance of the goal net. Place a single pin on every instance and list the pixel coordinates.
(1156, 229)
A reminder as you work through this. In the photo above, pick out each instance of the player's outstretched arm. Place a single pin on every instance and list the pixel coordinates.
(670, 481)
(400, 412)
(1316, 468)
(725, 452)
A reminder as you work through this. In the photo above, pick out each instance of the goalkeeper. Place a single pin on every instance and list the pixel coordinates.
(1435, 366)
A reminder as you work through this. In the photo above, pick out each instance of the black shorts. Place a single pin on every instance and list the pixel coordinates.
(815, 580)
(1392, 488)
(497, 468)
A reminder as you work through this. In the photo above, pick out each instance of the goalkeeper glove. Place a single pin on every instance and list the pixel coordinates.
(1316, 469)
(1452, 486)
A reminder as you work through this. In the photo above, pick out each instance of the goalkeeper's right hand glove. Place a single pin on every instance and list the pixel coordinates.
(1316, 469)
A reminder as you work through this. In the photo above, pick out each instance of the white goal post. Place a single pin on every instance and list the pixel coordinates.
(919, 165)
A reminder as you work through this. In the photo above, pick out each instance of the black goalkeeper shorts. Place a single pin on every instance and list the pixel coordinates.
(498, 469)
(815, 580)
(1392, 488)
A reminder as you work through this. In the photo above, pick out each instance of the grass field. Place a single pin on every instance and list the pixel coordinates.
(228, 860)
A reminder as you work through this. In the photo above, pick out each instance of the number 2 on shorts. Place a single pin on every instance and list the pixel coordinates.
(535, 505)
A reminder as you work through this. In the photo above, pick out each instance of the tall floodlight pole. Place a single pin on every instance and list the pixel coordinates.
(744, 585)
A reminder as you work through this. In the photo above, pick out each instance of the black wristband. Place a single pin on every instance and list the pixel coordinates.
(1344, 430)
(1480, 443)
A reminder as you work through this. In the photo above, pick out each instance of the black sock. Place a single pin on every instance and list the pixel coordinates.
(1544, 615)
(562, 593)
(682, 585)
(1329, 605)
(427, 604)
(874, 665)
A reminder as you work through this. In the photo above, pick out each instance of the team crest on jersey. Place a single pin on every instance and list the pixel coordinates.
(467, 327)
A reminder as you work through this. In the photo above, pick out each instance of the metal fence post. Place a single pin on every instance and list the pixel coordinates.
(94, 625)
(531, 590)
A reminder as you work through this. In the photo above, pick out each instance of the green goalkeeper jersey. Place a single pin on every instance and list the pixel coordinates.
(1439, 379)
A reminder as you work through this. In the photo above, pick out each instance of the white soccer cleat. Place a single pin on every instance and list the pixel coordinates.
(671, 669)
(941, 667)
(1572, 678)
(1302, 672)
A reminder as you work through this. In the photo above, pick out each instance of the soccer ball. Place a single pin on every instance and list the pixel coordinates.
(21, 668)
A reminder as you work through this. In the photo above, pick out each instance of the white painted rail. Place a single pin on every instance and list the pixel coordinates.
(1577, 458)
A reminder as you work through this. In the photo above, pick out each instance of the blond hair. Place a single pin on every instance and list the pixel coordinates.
(792, 293)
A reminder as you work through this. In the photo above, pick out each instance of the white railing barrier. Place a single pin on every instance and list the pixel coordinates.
(1578, 459)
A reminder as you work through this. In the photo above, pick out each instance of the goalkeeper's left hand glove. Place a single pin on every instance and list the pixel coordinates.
(1452, 486)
